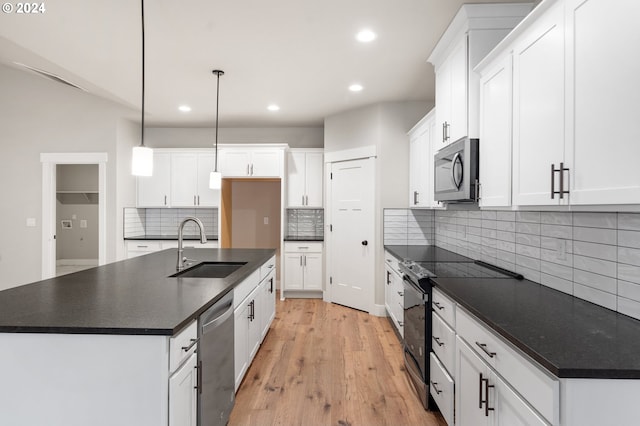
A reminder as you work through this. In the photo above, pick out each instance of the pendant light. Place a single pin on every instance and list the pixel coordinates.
(142, 158)
(215, 177)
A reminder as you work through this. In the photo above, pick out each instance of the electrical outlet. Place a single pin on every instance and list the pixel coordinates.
(83, 223)
(266, 220)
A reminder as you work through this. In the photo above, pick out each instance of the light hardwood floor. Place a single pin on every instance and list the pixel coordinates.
(324, 364)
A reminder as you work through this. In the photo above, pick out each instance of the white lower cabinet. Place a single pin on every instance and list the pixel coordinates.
(303, 266)
(267, 301)
(394, 292)
(136, 248)
(442, 388)
(183, 394)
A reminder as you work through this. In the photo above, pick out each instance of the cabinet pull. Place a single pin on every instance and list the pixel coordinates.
(439, 306)
(192, 344)
(198, 200)
(305, 260)
(483, 346)
(248, 170)
(142, 246)
(477, 190)
(401, 294)
(300, 260)
(252, 170)
(198, 385)
(303, 200)
(388, 277)
(194, 200)
(444, 132)
(561, 171)
(437, 340)
(165, 200)
(401, 323)
(433, 385)
(415, 198)
(480, 401)
(271, 285)
(486, 401)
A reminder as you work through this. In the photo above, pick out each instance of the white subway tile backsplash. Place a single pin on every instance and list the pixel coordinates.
(489, 214)
(556, 218)
(522, 216)
(629, 238)
(474, 222)
(595, 235)
(558, 231)
(598, 266)
(557, 270)
(506, 216)
(629, 256)
(599, 251)
(506, 246)
(629, 221)
(595, 220)
(527, 262)
(530, 274)
(629, 307)
(528, 228)
(506, 226)
(593, 295)
(629, 273)
(552, 281)
(528, 240)
(629, 290)
(600, 282)
(507, 256)
(473, 214)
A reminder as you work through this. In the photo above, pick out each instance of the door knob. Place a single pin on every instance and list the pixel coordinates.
(365, 242)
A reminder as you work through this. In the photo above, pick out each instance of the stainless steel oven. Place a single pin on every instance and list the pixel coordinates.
(456, 171)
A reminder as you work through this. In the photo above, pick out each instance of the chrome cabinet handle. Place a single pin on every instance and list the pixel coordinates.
(433, 385)
(437, 305)
(553, 177)
(271, 285)
(437, 340)
(192, 344)
(483, 346)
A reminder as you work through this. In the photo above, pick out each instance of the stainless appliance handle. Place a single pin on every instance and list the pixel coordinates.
(457, 160)
(215, 322)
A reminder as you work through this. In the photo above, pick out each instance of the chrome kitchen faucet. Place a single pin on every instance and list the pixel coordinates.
(203, 239)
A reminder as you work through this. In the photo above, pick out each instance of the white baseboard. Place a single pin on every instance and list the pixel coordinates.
(379, 311)
(303, 294)
(81, 262)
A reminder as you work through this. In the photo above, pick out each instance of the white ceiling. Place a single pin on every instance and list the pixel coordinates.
(300, 54)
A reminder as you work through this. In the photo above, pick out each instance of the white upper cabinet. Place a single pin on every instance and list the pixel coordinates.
(304, 178)
(421, 150)
(602, 145)
(538, 110)
(154, 191)
(473, 32)
(207, 197)
(495, 134)
(251, 162)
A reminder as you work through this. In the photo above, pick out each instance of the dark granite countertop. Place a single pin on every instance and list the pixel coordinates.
(570, 337)
(133, 296)
(170, 237)
(425, 254)
(296, 238)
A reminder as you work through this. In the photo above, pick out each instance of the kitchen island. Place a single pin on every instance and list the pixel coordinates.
(95, 347)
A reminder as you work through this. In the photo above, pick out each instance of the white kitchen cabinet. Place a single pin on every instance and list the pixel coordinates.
(421, 141)
(267, 302)
(183, 396)
(190, 180)
(496, 108)
(241, 315)
(251, 162)
(304, 178)
(602, 101)
(394, 292)
(303, 266)
(136, 248)
(473, 32)
(155, 191)
(538, 109)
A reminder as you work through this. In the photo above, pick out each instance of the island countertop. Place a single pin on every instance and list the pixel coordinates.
(135, 296)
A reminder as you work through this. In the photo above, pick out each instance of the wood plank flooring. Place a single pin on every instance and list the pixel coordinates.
(325, 364)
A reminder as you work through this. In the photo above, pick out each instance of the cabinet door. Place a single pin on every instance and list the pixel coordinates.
(312, 263)
(433, 148)
(459, 86)
(183, 394)
(603, 100)
(266, 164)
(509, 408)
(154, 191)
(443, 101)
(538, 110)
(268, 302)
(184, 175)
(419, 168)
(495, 134)
(470, 388)
(314, 165)
(255, 323)
(241, 341)
(296, 168)
(234, 163)
(397, 297)
(207, 197)
(293, 276)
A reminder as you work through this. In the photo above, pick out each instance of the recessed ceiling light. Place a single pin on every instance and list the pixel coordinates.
(184, 108)
(273, 107)
(365, 36)
(356, 87)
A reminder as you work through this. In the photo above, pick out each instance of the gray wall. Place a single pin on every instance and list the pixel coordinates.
(36, 116)
(178, 137)
(77, 242)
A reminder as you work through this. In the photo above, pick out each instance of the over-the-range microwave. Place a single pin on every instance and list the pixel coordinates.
(456, 171)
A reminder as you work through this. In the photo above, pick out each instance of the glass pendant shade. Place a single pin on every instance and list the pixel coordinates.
(142, 161)
(215, 180)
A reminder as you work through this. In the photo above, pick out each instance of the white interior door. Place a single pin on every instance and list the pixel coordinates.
(352, 238)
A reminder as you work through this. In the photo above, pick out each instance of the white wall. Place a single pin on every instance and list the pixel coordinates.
(384, 126)
(179, 137)
(36, 116)
(128, 136)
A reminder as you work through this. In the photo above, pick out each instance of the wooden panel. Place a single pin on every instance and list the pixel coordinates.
(226, 209)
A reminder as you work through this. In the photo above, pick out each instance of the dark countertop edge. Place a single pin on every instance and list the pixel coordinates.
(169, 238)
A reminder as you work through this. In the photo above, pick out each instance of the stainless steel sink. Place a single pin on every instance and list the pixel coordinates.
(210, 270)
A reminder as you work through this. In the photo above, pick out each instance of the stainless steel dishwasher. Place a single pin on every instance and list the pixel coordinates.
(216, 385)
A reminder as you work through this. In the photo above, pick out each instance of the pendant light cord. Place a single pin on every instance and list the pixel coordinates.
(218, 73)
(142, 124)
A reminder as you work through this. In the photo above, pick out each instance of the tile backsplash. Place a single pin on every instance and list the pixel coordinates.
(163, 222)
(408, 227)
(593, 256)
(305, 223)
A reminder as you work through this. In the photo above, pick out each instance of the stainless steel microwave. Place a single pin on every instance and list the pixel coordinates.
(456, 171)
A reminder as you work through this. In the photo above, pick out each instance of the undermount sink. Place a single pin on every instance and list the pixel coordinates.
(210, 270)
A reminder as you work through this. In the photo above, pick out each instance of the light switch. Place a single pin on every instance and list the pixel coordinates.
(31, 222)
(266, 220)
(83, 223)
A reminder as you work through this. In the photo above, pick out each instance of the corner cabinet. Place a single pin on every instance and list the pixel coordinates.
(251, 162)
(473, 32)
(422, 146)
(305, 178)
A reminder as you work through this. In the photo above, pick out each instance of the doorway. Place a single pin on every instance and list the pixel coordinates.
(50, 222)
(352, 238)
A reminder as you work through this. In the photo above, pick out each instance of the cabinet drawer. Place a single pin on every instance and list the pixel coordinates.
(143, 246)
(245, 288)
(267, 267)
(539, 388)
(441, 389)
(182, 345)
(444, 307)
(189, 244)
(305, 246)
(443, 342)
